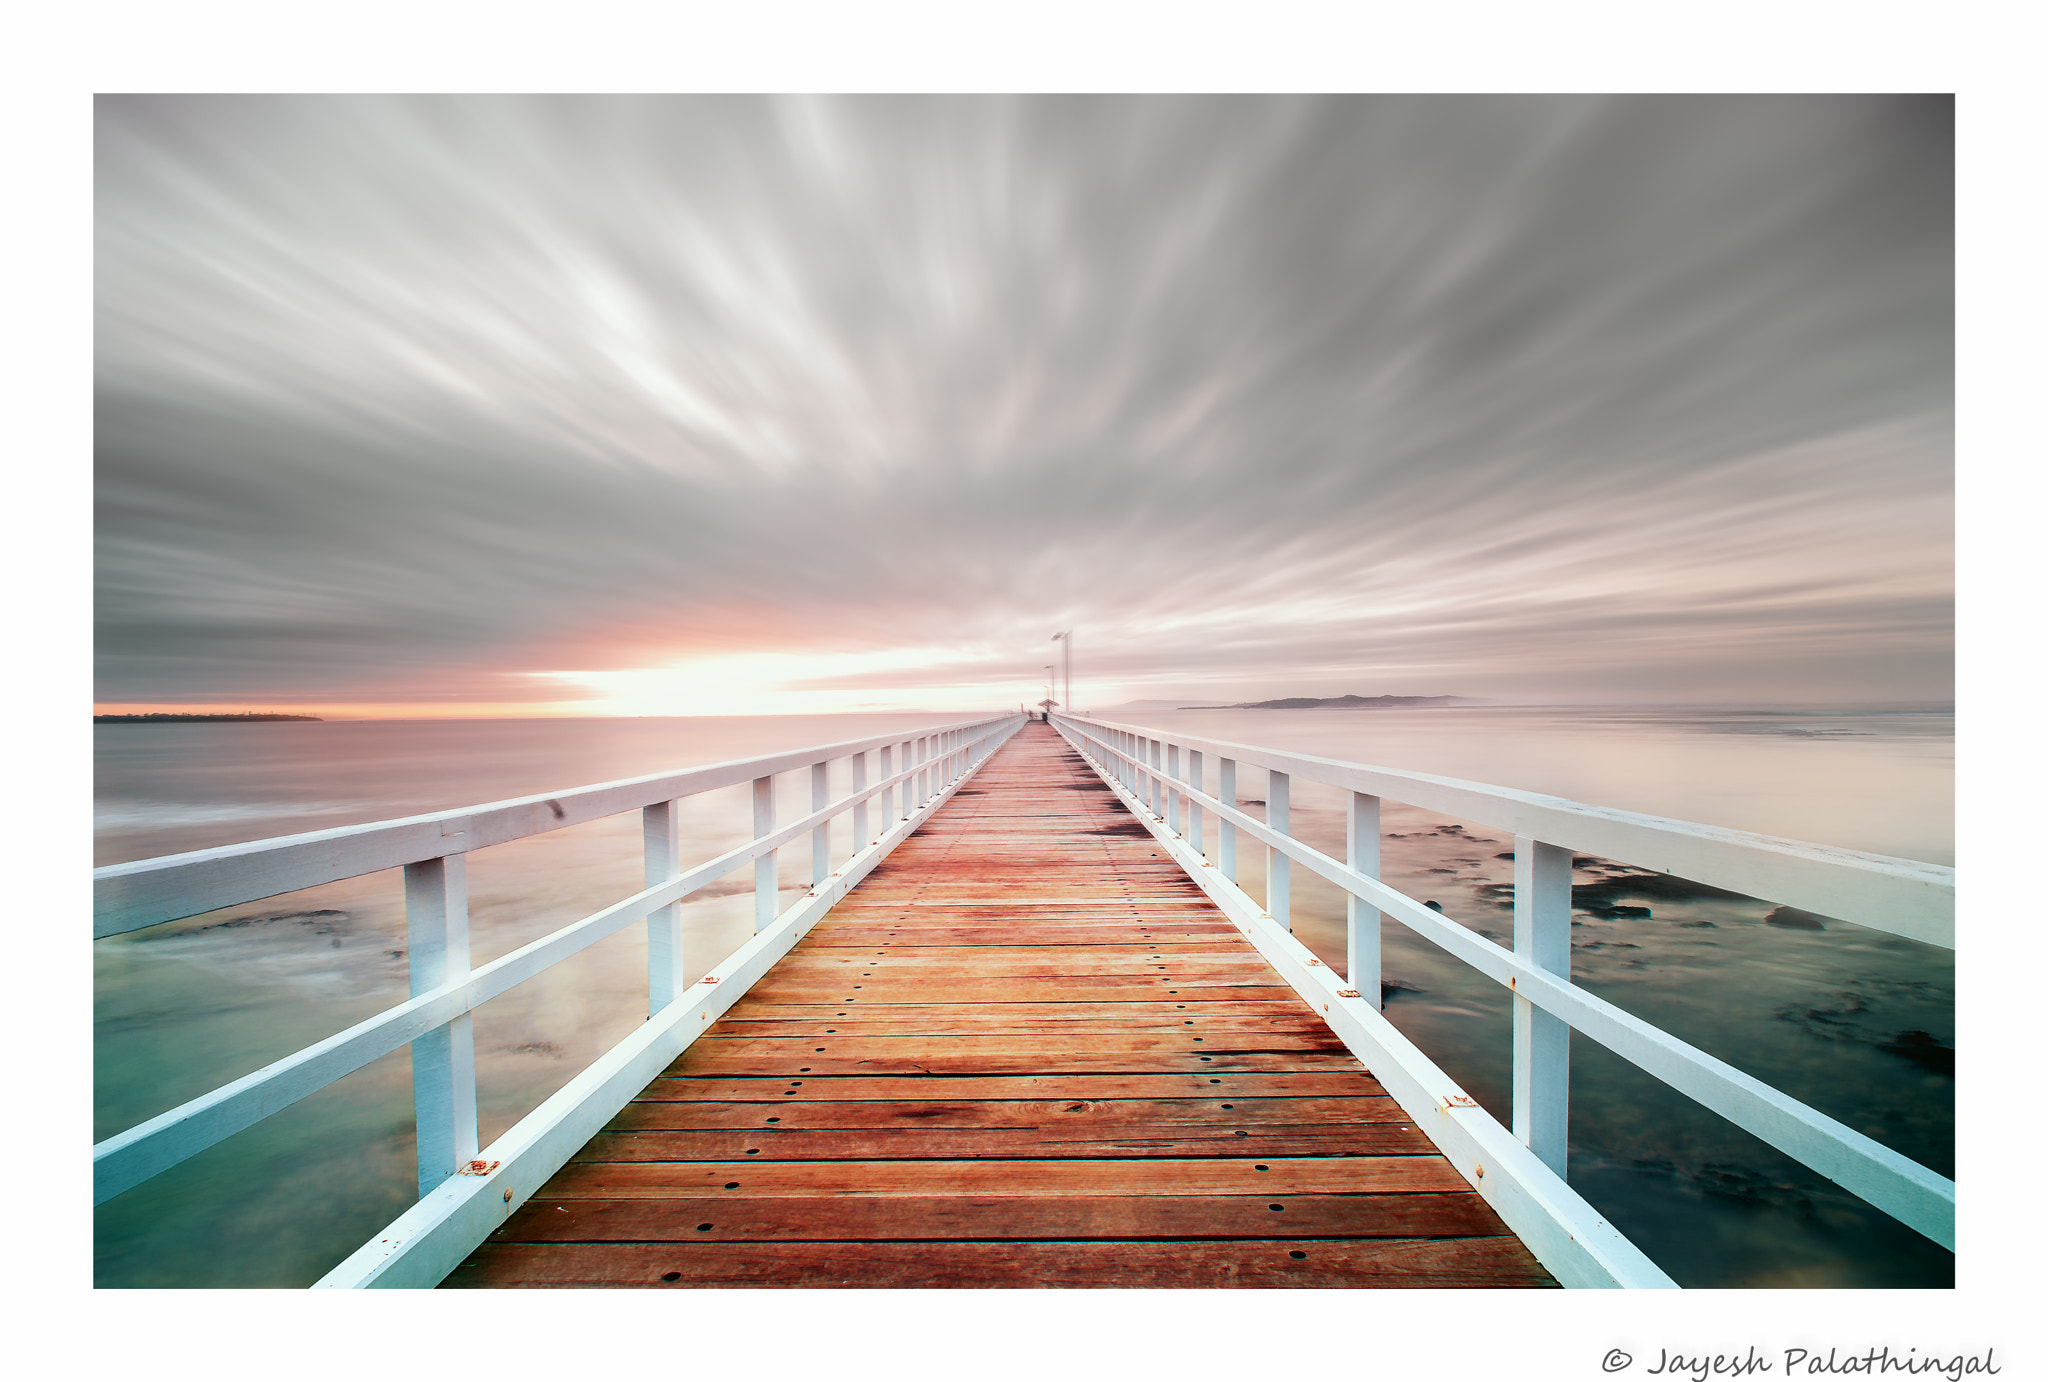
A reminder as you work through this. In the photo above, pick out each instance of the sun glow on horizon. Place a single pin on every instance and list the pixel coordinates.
(791, 684)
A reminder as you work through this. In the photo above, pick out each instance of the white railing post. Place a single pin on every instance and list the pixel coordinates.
(1196, 836)
(444, 1060)
(924, 744)
(1226, 833)
(883, 774)
(765, 887)
(821, 833)
(1362, 919)
(1172, 796)
(1543, 939)
(1155, 790)
(1277, 899)
(860, 808)
(662, 846)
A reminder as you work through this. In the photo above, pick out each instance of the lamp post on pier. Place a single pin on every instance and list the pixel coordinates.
(1068, 639)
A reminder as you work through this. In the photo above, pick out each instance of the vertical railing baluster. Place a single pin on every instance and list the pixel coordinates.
(1196, 836)
(1172, 796)
(1226, 833)
(1543, 939)
(860, 805)
(1361, 918)
(883, 772)
(765, 887)
(443, 1060)
(1155, 791)
(1277, 901)
(661, 844)
(821, 833)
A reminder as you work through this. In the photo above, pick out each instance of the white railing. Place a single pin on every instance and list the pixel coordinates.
(1162, 776)
(465, 1192)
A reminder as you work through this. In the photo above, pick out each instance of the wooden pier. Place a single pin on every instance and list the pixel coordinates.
(1026, 1051)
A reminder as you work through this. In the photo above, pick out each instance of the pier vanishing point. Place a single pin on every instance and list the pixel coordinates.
(1029, 1033)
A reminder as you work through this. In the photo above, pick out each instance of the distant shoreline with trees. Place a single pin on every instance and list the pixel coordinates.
(1340, 703)
(161, 718)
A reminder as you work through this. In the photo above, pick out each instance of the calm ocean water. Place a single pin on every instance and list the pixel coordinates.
(1855, 1022)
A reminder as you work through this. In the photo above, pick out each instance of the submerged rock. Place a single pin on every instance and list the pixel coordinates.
(1923, 1050)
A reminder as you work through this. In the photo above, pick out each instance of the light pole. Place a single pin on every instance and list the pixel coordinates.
(1049, 702)
(1068, 639)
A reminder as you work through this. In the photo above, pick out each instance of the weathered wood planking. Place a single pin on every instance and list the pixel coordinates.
(1026, 1051)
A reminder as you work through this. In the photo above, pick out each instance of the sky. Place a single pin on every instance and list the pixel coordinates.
(725, 406)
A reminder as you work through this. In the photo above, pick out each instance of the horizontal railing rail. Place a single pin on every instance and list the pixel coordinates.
(147, 892)
(1162, 775)
(446, 989)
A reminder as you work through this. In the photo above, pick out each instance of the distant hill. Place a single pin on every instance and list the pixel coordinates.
(1342, 703)
(159, 718)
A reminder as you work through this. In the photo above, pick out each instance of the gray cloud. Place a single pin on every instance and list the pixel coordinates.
(402, 399)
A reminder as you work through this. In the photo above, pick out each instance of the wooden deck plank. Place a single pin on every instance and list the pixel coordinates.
(834, 1218)
(1196, 1085)
(1120, 1114)
(930, 1144)
(1025, 1051)
(1450, 1263)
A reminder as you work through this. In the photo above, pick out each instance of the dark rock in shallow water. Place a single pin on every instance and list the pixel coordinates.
(323, 920)
(1749, 1186)
(1923, 1050)
(1507, 855)
(1662, 887)
(1615, 912)
(1434, 906)
(1792, 919)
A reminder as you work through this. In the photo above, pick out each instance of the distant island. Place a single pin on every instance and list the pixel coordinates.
(159, 718)
(1339, 702)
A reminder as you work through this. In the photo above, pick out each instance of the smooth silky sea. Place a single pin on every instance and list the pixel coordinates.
(1858, 1023)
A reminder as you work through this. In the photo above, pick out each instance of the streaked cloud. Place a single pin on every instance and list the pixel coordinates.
(572, 402)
